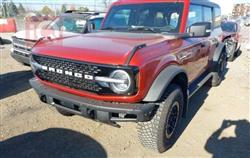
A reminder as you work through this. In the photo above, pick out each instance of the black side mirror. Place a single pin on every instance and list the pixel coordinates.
(229, 27)
(200, 29)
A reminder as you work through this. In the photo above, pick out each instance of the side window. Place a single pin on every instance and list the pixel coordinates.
(97, 23)
(217, 17)
(195, 14)
(208, 17)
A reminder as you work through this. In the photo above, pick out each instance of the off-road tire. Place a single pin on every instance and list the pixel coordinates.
(153, 134)
(63, 112)
(219, 70)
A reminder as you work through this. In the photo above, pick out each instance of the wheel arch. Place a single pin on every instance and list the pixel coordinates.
(217, 53)
(172, 74)
(226, 37)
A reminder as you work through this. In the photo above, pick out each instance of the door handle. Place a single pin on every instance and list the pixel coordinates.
(185, 56)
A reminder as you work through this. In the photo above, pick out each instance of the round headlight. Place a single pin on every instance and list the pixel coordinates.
(123, 87)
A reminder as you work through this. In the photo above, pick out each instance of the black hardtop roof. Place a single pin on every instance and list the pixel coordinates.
(205, 3)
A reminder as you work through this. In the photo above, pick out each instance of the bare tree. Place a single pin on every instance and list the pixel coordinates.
(106, 3)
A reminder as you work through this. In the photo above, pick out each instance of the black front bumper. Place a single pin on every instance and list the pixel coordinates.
(98, 110)
(20, 57)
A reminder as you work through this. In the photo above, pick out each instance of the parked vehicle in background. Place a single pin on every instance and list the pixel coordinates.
(143, 66)
(231, 38)
(67, 24)
(247, 21)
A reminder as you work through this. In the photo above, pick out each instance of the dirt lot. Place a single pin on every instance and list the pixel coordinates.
(30, 128)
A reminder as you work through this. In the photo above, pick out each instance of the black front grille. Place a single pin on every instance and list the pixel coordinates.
(74, 67)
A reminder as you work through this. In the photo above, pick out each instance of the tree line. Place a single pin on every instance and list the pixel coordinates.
(12, 10)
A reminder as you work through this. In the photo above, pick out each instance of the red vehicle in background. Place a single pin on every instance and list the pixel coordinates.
(143, 66)
(231, 38)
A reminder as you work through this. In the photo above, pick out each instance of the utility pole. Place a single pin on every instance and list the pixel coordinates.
(94, 5)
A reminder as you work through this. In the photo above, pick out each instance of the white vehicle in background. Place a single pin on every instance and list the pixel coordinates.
(67, 24)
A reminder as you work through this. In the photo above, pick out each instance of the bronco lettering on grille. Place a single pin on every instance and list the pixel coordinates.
(68, 73)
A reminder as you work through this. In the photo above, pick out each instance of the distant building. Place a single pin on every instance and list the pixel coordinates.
(241, 10)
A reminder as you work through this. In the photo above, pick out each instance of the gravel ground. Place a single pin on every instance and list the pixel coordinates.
(217, 124)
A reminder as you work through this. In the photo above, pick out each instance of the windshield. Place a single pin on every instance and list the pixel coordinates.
(229, 27)
(69, 23)
(150, 17)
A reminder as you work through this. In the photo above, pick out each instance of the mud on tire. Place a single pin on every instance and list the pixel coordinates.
(156, 134)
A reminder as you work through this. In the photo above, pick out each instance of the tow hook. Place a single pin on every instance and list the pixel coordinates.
(43, 98)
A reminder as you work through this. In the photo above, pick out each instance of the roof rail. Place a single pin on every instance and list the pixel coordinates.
(84, 12)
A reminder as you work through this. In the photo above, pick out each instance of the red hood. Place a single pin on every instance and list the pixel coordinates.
(102, 47)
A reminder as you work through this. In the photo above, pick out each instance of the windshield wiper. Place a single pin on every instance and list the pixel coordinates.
(142, 28)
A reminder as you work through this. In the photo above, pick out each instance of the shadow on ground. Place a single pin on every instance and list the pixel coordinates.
(52, 143)
(237, 55)
(4, 41)
(195, 103)
(14, 83)
(197, 100)
(230, 147)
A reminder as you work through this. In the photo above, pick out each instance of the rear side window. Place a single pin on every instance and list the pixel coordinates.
(195, 14)
(208, 16)
(217, 17)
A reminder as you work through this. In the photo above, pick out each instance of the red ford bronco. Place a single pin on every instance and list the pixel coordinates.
(148, 59)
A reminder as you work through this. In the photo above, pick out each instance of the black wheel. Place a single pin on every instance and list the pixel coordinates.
(160, 133)
(63, 112)
(219, 71)
(230, 49)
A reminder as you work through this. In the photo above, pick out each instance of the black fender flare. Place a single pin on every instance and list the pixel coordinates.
(217, 54)
(218, 51)
(161, 82)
